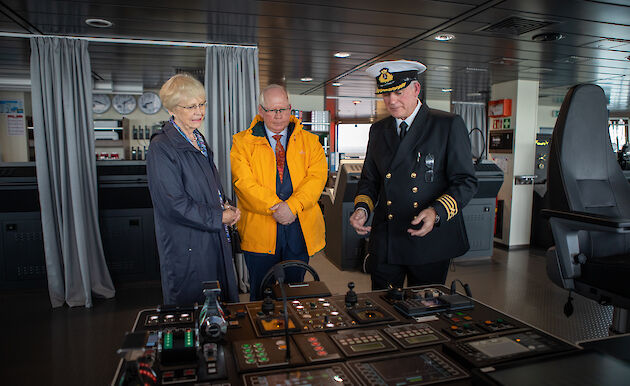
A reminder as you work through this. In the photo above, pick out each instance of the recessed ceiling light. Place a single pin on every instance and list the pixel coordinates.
(444, 37)
(98, 23)
(342, 54)
(447, 90)
(572, 59)
(337, 84)
(306, 79)
(442, 68)
(356, 102)
(547, 37)
(476, 69)
(473, 94)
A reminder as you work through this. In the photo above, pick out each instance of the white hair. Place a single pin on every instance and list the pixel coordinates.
(261, 97)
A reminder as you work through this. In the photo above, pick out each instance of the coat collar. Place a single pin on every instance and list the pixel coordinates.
(259, 134)
(178, 141)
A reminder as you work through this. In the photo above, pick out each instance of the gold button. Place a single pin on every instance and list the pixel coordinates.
(389, 203)
(413, 174)
(414, 189)
(390, 216)
(388, 175)
(415, 204)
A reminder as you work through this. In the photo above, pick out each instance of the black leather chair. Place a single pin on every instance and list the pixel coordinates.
(590, 206)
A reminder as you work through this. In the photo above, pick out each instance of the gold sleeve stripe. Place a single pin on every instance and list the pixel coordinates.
(382, 90)
(450, 198)
(365, 199)
(449, 204)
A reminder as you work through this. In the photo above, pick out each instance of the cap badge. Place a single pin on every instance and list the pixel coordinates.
(385, 76)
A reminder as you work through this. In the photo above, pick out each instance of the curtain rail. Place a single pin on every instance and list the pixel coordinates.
(126, 41)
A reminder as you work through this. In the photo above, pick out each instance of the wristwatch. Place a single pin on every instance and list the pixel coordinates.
(437, 217)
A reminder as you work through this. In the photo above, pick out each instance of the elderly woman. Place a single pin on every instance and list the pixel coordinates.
(191, 212)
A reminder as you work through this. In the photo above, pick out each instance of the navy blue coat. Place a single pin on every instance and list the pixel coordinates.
(191, 239)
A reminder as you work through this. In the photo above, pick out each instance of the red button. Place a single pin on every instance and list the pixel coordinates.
(322, 353)
(318, 348)
(312, 339)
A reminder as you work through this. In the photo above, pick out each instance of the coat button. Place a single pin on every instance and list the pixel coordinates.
(415, 204)
(414, 189)
(413, 174)
(390, 216)
(388, 175)
(389, 203)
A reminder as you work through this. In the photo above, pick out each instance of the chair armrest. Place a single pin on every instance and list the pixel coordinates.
(589, 221)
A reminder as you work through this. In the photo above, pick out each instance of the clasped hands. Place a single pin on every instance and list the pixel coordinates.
(426, 216)
(282, 213)
(231, 214)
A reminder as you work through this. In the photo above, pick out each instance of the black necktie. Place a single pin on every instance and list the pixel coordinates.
(403, 129)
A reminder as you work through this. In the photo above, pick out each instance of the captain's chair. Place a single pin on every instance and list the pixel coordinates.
(590, 201)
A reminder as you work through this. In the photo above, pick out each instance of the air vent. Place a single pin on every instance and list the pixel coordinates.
(515, 26)
(198, 73)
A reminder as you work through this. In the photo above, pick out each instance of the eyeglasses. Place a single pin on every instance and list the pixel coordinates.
(200, 106)
(276, 111)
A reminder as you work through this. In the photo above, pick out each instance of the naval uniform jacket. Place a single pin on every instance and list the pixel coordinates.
(396, 183)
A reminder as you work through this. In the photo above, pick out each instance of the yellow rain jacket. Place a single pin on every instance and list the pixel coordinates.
(254, 178)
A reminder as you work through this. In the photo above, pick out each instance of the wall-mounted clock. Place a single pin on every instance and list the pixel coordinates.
(124, 103)
(100, 103)
(150, 103)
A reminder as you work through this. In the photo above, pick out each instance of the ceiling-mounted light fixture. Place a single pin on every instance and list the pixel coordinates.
(444, 37)
(356, 102)
(341, 54)
(306, 79)
(337, 84)
(478, 69)
(98, 23)
(447, 90)
(441, 68)
(547, 37)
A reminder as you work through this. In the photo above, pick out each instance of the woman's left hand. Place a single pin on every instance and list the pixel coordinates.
(231, 215)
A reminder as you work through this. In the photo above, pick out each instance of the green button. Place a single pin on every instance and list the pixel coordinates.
(250, 361)
(246, 345)
(263, 359)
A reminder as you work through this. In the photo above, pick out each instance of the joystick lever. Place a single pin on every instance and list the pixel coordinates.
(351, 296)
(268, 304)
(394, 293)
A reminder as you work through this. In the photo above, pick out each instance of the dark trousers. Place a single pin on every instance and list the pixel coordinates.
(384, 274)
(290, 245)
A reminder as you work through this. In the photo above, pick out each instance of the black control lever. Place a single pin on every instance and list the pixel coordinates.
(351, 296)
(268, 305)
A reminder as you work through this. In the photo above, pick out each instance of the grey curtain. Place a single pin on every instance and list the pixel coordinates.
(474, 115)
(232, 89)
(66, 171)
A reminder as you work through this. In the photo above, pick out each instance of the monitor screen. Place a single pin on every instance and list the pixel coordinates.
(352, 138)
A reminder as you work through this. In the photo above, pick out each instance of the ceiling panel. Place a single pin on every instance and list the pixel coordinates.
(299, 38)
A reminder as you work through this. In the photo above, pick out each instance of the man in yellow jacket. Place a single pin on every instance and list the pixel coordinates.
(279, 171)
